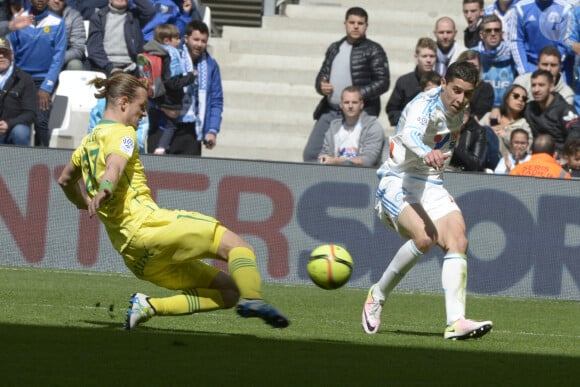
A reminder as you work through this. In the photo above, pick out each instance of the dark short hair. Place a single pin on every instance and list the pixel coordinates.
(551, 51)
(429, 77)
(519, 130)
(463, 70)
(492, 18)
(572, 146)
(479, 2)
(196, 25)
(546, 73)
(357, 11)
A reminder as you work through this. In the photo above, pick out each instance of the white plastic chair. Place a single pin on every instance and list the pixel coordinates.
(71, 109)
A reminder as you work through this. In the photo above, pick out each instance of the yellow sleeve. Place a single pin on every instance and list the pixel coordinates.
(121, 141)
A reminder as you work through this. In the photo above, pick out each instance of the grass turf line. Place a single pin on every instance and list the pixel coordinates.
(58, 328)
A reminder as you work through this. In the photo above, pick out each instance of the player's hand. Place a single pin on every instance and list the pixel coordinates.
(95, 204)
(435, 158)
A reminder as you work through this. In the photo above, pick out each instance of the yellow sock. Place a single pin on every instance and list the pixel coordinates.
(191, 301)
(244, 272)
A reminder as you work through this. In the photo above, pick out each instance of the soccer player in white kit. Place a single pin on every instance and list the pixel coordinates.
(412, 201)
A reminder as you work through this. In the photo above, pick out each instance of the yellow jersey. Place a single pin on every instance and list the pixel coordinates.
(131, 202)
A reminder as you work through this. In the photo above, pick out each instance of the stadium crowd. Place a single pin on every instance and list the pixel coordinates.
(527, 53)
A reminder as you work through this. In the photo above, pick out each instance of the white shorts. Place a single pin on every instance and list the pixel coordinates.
(396, 193)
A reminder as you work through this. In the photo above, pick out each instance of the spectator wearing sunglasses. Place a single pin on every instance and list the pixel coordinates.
(511, 117)
(497, 65)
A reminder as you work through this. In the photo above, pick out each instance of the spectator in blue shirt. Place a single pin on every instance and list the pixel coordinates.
(39, 50)
(537, 24)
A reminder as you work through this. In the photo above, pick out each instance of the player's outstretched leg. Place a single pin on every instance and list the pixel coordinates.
(244, 272)
(371, 314)
(140, 310)
(467, 329)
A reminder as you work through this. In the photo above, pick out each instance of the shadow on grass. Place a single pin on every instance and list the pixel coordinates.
(41, 355)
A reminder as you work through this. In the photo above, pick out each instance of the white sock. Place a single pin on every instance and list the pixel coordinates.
(402, 262)
(454, 282)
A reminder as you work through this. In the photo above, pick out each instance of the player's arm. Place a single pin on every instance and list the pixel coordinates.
(69, 182)
(114, 167)
(412, 133)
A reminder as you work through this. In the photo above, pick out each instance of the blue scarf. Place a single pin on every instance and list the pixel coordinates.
(195, 99)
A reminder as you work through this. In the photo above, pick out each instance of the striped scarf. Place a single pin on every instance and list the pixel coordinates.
(194, 101)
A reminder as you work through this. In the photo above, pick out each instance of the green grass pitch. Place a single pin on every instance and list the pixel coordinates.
(64, 328)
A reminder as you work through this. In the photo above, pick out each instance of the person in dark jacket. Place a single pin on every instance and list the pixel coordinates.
(115, 36)
(87, 8)
(353, 60)
(164, 109)
(549, 113)
(17, 100)
(409, 85)
(470, 152)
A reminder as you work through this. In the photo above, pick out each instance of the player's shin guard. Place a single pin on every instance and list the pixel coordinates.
(454, 282)
(244, 271)
(402, 262)
(191, 301)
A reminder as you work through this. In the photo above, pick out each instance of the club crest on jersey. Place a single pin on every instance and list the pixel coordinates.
(127, 145)
(422, 120)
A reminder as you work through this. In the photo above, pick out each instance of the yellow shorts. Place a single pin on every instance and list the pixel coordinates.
(169, 247)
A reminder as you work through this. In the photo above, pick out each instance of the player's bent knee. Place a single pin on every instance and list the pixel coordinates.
(230, 297)
(424, 242)
(229, 241)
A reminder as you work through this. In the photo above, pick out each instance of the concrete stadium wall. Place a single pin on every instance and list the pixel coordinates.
(524, 232)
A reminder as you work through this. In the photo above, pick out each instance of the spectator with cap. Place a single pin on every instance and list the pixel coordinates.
(17, 99)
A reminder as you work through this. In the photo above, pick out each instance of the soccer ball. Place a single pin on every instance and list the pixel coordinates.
(330, 266)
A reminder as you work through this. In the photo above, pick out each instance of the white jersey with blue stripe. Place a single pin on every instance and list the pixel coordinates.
(425, 125)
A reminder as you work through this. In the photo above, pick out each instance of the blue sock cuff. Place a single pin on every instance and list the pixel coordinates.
(414, 248)
(455, 256)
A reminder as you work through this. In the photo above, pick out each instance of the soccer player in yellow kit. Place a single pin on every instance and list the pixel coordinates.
(162, 246)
